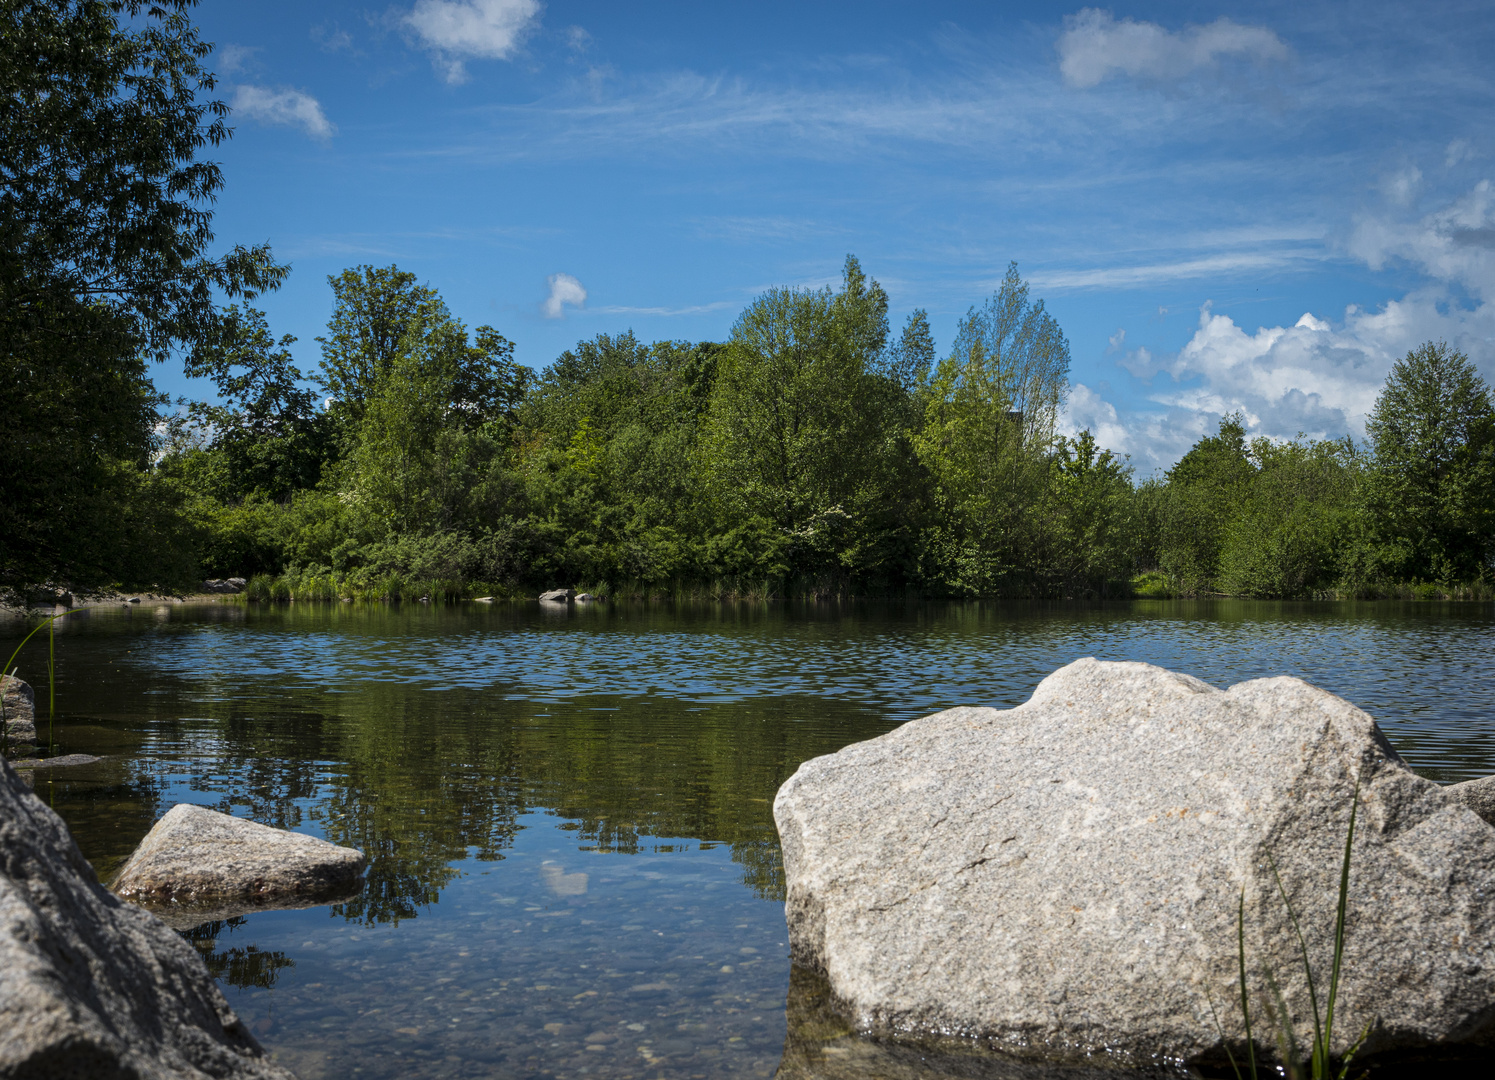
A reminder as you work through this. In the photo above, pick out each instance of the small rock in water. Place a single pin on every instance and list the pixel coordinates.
(558, 596)
(199, 857)
(133, 600)
(1062, 879)
(584, 598)
(59, 762)
(18, 705)
(482, 599)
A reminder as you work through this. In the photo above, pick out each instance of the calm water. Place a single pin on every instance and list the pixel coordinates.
(574, 867)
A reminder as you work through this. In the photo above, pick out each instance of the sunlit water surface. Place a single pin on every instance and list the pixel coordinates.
(574, 867)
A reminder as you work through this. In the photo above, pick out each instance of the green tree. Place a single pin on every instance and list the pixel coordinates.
(1431, 490)
(1090, 529)
(804, 435)
(268, 435)
(374, 312)
(990, 408)
(105, 231)
(1205, 492)
(1290, 532)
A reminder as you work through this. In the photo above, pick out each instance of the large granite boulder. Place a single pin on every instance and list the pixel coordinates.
(1062, 879)
(200, 860)
(18, 708)
(92, 987)
(558, 596)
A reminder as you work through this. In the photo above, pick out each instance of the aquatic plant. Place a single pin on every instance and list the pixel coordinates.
(9, 671)
(1319, 1062)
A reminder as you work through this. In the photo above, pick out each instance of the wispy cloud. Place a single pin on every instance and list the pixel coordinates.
(1128, 276)
(283, 106)
(234, 59)
(459, 30)
(692, 309)
(1095, 46)
(564, 289)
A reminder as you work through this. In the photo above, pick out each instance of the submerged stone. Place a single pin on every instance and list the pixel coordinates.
(1063, 879)
(202, 859)
(92, 987)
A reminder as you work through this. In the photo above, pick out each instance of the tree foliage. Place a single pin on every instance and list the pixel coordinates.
(105, 263)
(1432, 489)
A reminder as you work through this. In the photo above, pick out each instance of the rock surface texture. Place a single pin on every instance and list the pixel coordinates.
(18, 703)
(1062, 879)
(1478, 795)
(91, 987)
(198, 857)
(229, 586)
(558, 596)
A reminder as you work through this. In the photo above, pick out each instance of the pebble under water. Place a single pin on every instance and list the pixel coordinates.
(574, 870)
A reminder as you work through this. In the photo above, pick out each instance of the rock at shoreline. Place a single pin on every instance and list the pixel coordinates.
(558, 596)
(93, 987)
(18, 702)
(61, 762)
(1477, 795)
(1062, 879)
(229, 586)
(200, 858)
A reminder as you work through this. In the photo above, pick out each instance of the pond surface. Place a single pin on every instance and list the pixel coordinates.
(574, 869)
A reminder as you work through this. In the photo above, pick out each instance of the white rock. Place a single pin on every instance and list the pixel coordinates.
(197, 857)
(1063, 878)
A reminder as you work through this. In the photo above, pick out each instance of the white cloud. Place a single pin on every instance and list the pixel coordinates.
(564, 289)
(1094, 46)
(1401, 187)
(1316, 377)
(458, 30)
(233, 59)
(1458, 151)
(1455, 243)
(284, 106)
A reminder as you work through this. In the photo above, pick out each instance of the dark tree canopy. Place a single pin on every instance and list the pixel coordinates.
(105, 263)
(103, 198)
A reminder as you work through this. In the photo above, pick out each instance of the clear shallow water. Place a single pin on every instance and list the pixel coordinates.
(574, 868)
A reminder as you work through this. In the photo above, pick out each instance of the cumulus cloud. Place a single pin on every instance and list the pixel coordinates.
(1095, 46)
(459, 30)
(1318, 377)
(564, 289)
(283, 106)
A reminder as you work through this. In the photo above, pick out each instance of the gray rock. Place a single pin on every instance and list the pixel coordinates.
(584, 598)
(558, 596)
(199, 858)
(18, 705)
(62, 761)
(1477, 795)
(93, 987)
(1062, 879)
(228, 586)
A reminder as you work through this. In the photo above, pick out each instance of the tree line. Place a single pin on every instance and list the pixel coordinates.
(816, 451)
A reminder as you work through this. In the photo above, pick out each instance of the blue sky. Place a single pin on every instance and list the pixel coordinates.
(1226, 206)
